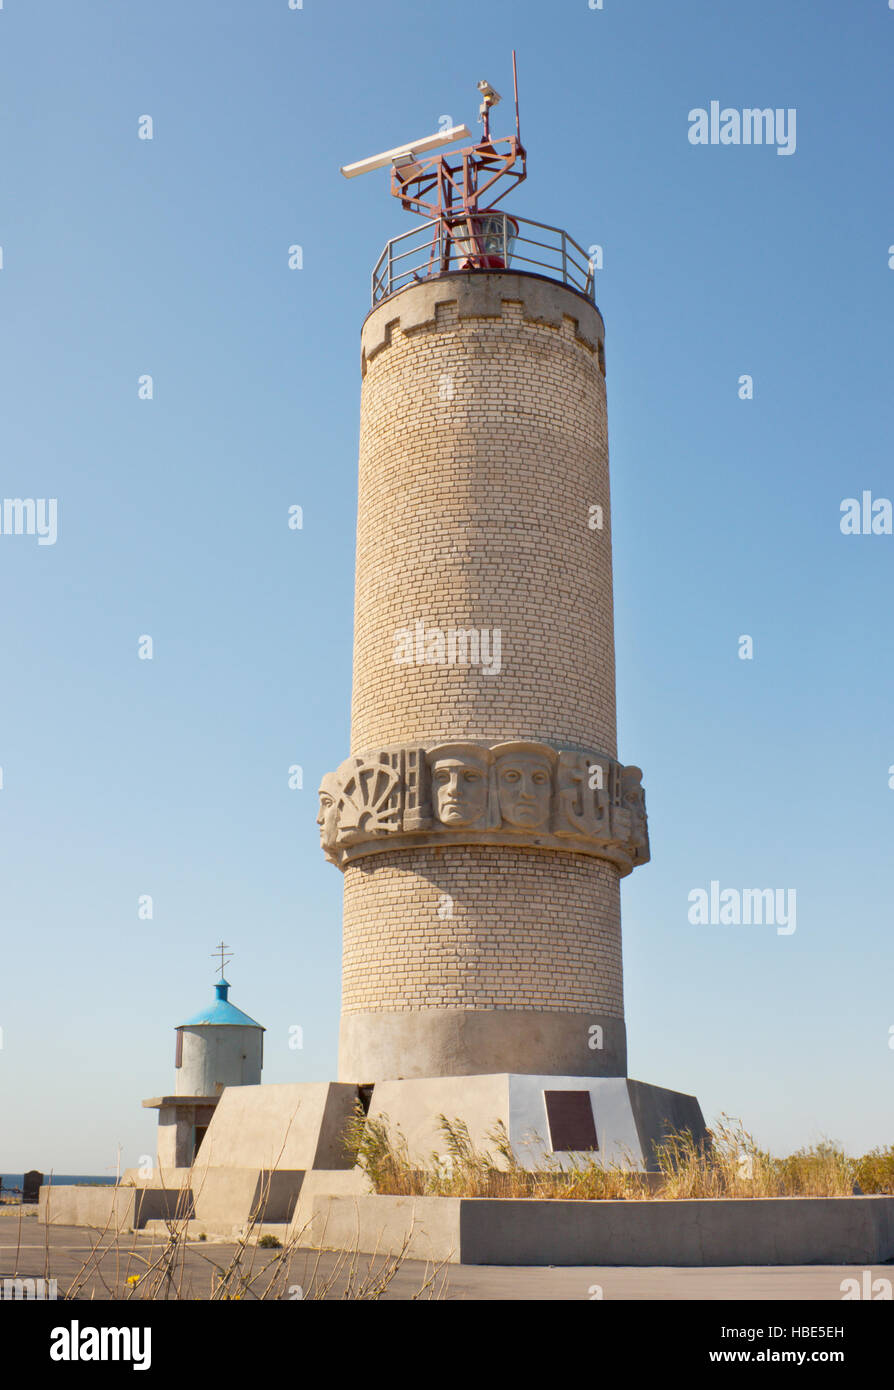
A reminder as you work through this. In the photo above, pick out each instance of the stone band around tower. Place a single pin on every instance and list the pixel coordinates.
(517, 792)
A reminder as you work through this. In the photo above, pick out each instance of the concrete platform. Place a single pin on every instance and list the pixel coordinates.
(262, 1144)
(627, 1118)
(113, 1209)
(721, 1231)
(29, 1249)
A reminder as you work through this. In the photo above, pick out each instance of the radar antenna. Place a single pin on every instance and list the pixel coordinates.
(459, 189)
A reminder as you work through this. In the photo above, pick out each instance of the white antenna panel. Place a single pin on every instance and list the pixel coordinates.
(428, 142)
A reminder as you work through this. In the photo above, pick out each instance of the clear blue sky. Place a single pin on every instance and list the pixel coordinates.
(124, 777)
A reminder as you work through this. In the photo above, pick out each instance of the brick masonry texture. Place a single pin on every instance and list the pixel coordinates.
(483, 445)
(529, 930)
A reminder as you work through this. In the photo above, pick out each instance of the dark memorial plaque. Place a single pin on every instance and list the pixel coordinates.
(31, 1184)
(572, 1127)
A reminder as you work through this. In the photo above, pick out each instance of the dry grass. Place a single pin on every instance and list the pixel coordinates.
(732, 1165)
(875, 1170)
(121, 1265)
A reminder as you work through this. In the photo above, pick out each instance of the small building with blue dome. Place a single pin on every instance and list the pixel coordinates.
(217, 1047)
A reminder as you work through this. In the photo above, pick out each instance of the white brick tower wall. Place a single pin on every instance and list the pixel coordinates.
(493, 944)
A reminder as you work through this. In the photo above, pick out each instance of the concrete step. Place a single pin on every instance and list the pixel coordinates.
(194, 1230)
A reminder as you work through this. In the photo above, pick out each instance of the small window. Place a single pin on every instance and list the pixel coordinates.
(178, 1058)
(572, 1128)
(201, 1131)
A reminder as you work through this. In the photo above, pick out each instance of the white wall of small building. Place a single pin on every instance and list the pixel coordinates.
(217, 1055)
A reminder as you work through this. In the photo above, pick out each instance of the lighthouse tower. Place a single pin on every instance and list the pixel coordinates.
(482, 818)
(217, 1047)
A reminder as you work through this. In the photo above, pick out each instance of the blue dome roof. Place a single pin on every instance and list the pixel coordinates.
(222, 1011)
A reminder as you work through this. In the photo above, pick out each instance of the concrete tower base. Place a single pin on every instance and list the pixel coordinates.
(548, 1120)
(417, 1044)
(273, 1157)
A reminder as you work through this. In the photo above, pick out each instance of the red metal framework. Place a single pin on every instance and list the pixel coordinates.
(460, 188)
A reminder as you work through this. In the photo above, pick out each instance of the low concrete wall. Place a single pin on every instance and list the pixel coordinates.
(111, 1208)
(223, 1200)
(430, 1225)
(160, 1176)
(349, 1182)
(104, 1207)
(758, 1231)
(227, 1198)
(224, 1197)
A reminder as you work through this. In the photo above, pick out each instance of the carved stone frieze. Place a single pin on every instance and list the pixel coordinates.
(512, 793)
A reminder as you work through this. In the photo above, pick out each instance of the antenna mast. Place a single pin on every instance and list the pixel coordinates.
(459, 190)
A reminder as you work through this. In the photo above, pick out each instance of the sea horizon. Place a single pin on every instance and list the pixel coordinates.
(14, 1181)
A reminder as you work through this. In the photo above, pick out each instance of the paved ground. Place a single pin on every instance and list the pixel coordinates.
(88, 1264)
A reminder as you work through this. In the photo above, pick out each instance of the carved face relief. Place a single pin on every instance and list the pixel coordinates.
(632, 791)
(524, 784)
(524, 788)
(633, 800)
(327, 816)
(459, 785)
(462, 792)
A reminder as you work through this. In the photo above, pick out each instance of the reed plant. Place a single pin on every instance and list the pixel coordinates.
(729, 1164)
